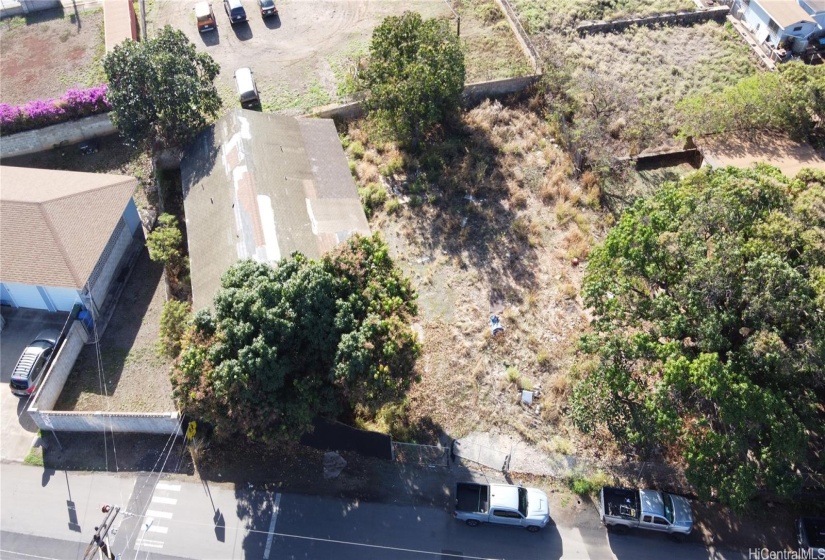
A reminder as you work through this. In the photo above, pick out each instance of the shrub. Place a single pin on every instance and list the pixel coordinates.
(174, 320)
(373, 197)
(74, 104)
(588, 485)
(357, 150)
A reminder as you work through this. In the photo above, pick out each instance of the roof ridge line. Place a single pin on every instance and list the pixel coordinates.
(59, 244)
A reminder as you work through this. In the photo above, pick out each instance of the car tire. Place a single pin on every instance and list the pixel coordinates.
(533, 528)
(473, 522)
(618, 529)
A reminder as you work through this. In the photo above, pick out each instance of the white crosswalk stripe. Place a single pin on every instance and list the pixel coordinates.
(166, 486)
(162, 500)
(158, 514)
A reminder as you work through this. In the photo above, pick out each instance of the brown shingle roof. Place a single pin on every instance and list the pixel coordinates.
(54, 225)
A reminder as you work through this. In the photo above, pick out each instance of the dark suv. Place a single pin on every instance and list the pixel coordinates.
(33, 363)
(234, 10)
(810, 535)
(267, 8)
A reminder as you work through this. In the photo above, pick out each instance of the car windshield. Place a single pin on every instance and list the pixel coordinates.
(668, 506)
(267, 3)
(522, 501)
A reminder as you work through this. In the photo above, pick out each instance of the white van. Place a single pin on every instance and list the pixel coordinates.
(247, 90)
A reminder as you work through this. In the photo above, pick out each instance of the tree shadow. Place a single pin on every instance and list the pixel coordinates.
(458, 191)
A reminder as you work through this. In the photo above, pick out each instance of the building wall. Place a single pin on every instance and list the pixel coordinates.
(111, 258)
(24, 295)
(757, 20)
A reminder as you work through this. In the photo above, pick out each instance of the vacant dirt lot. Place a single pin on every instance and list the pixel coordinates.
(300, 58)
(46, 53)
(487, 222)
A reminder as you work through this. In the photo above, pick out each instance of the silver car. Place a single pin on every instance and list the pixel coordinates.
(33, 363)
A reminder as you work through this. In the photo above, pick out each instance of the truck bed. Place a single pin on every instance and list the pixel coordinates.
(473, 498)
(621, 502)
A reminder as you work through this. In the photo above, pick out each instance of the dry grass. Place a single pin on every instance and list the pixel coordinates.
(662, 65)
(538, 15)
(472, 230)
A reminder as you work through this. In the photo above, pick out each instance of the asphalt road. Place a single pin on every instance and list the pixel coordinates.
(53, 515)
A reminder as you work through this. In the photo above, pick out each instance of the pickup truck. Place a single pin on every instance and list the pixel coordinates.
(624, 509)
(503, 504)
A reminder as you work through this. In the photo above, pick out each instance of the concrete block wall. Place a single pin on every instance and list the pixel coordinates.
(718, 13)
(120, 422)
(40, 140)
(61, 366)
(472, 94)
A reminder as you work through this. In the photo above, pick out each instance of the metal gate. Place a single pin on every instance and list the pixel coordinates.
(416, 454)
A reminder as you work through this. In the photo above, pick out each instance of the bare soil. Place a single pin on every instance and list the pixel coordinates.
(301, 57)
(45, 53)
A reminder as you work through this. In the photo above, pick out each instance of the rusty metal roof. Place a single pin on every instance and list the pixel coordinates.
(54, 225)
(262, 186)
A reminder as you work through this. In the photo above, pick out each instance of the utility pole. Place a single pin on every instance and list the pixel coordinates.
(100, 544)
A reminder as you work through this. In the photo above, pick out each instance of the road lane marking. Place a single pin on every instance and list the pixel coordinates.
(157, 529)
(271, 534)
(165, 486)
(159, 514)
(162, 500)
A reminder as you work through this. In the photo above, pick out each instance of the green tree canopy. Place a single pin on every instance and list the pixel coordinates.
(791, 100)
(415, 74)
(709, 328)
(305, 338)
(161, 90)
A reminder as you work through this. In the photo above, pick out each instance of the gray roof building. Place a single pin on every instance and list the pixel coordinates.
(262, 186)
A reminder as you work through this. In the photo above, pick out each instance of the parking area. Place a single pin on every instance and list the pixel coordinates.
(21, 327)
(300, 56)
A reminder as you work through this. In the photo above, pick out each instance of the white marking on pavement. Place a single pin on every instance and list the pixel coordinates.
(165, 486)
(167, 501)
(160, 514)
(275, 509)
(151, 544)
(28, 555)
(157, 529)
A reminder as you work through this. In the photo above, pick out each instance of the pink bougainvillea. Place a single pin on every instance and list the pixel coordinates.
(74, 104)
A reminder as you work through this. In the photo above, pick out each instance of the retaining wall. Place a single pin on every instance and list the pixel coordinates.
(121, 422)
(680, 18)
(42, 139)
(62, 364)
(472, 94)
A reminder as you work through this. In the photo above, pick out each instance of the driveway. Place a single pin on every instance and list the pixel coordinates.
(18, 429)
(298, 55)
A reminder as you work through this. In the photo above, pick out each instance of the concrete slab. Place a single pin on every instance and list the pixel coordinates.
(17, 430)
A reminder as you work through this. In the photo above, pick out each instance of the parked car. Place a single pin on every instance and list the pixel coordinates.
(810, 534)
(267, 8)
(247, 89)
(502, 504)
(234, 10)
(205, 17)
(624, 509)
(33, 363)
